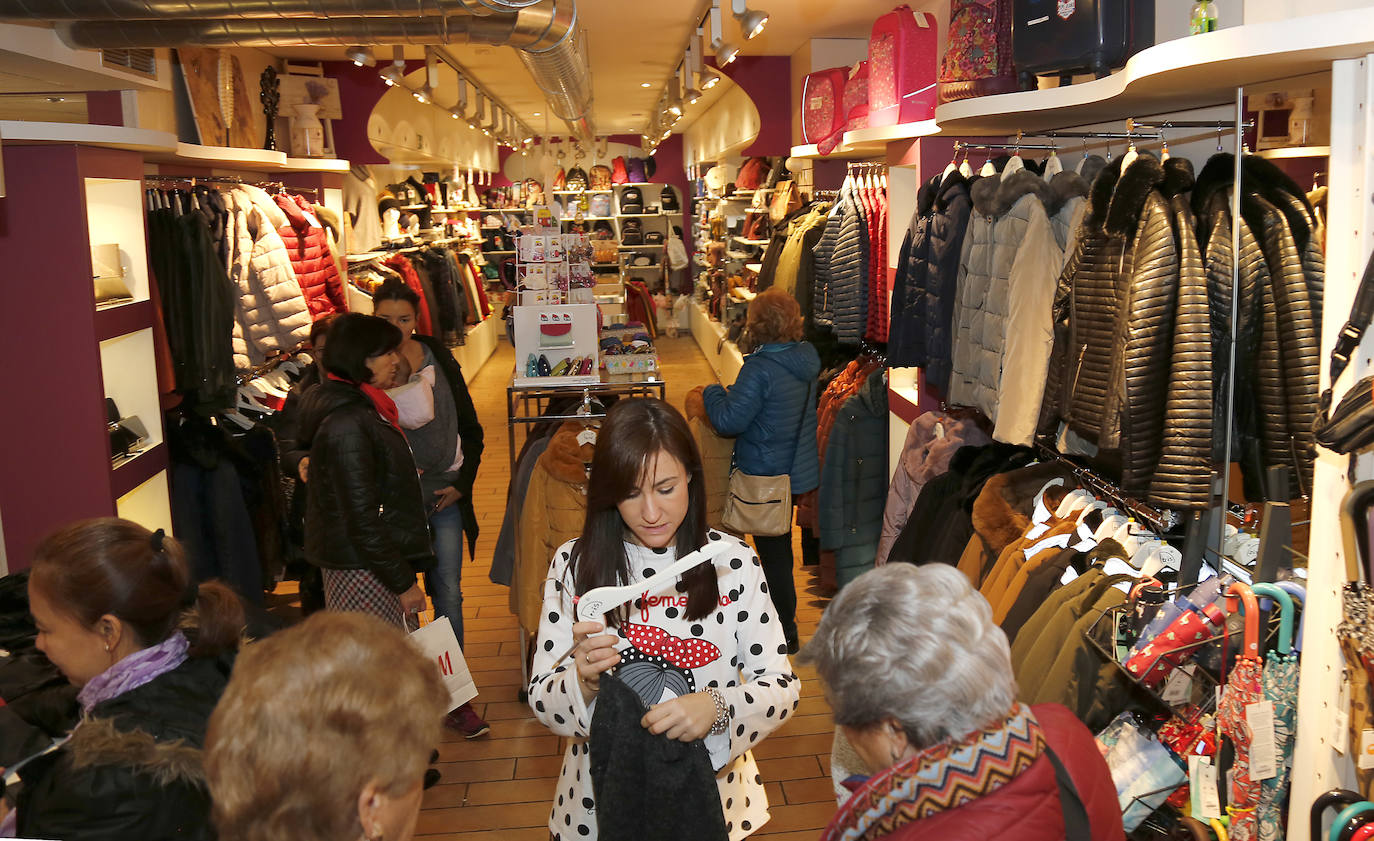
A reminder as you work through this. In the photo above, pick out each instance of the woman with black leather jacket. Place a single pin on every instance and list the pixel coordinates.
(365, 521)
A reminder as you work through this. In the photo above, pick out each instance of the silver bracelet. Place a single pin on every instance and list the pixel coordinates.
(722, 721)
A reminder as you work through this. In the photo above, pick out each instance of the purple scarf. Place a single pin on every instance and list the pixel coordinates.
(135, 670)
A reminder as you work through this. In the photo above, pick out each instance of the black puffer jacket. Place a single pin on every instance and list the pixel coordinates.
(924, 290)
(1278, 328)
(1114, 319)
(364, 509)
(1183, 479)
(132, 768)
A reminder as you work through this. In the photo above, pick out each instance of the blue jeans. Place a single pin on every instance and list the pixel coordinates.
(443, 582)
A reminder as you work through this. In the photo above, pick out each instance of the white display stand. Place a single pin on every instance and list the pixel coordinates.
(723, 355)
(538, 331)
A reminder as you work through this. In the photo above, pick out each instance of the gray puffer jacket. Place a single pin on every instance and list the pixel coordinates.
(849, 271)
(1007, 276)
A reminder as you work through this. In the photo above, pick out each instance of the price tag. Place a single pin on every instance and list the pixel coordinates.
(1263, 753)
(1340, 727)
(1170, 556)
(1177, 689)
(1366, 760)
(1202, 779)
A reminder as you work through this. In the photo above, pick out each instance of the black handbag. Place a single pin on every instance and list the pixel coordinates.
(1350, 426)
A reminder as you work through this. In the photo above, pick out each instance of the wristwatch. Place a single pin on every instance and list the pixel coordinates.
(722, 712)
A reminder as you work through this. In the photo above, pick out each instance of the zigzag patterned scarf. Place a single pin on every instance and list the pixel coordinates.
(945, 776)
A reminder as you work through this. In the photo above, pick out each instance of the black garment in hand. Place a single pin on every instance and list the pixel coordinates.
(647, 787)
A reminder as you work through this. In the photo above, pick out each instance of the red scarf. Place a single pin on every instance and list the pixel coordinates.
(381, 401)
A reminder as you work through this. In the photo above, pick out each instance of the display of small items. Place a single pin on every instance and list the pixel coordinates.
(556, 342)
(627, 351)
(553, 267)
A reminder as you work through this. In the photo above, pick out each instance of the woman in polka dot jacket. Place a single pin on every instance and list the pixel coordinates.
(706, 657)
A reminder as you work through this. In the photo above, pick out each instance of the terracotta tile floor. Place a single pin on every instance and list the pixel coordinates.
(500, 786)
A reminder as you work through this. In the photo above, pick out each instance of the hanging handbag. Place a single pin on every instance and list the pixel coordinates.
(786, 199)
(762, 505)
(1350, 427)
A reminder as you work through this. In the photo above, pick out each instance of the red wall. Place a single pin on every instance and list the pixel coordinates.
(767, 79)
(55, 466)
(359, 90)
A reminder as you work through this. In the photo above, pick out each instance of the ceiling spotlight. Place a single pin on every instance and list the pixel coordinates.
(391, 74)
(361, 56)
(750, 23)
(690, 95)
(674, 99)
(725, 53)
(425, 94)
(646, 84)
(454, 114)
(709, 79)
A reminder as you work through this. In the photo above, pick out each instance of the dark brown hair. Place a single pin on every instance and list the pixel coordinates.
(111, 566)
(320, 327)
(774, 316)
(633, 432)
(353, 339)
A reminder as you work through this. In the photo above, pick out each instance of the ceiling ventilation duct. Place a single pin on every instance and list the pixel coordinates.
(545, 32)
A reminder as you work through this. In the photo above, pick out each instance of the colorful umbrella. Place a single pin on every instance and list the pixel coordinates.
(1242, 689)
(1280, 686)
(1334, 797)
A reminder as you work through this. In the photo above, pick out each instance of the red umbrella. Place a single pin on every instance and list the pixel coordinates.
(1243, 687)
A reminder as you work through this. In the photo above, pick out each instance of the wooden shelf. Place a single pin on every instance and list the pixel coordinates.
(1183, 74)
(133, 472)
(1295, 152)
(112, 322)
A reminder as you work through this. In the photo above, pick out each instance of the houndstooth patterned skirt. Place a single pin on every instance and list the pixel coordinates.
(361, 591)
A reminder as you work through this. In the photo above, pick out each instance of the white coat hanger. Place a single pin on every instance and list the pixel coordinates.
(988, 169)
(1073, 501)
(1014, 163)
(1095, 505)
(238, 420)
(1083, 160)
(1053, 166)
(952, 166)
(1110, 524)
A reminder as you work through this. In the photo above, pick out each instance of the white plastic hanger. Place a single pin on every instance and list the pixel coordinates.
(1095, 505)
(1073, 501)
(1130, 156)
(988, 169)
(593, 605)
(1109, 526)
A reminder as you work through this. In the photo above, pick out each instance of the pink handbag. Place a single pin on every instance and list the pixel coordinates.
(903, 54)
(822, 105)
(856, 99)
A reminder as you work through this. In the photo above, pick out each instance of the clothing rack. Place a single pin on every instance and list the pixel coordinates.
(1160, 519)
(272, 362)
(865, 166)
(194, 179)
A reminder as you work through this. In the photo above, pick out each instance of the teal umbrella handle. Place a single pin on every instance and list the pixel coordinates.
(1298, 592)
(1361, 808)
(1285, 614)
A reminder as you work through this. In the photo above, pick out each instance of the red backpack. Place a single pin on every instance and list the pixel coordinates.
(751, 175)
(977, 59)
(822, 108)
(902, 54)
(856, 93)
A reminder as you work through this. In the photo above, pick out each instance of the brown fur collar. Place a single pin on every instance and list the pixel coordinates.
(96, 741)
(1117, 199)
(565, 459)
(694, 407)
(1001, 513)
(993, 196)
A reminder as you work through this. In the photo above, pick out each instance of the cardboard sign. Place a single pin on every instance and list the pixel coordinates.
(438, 642)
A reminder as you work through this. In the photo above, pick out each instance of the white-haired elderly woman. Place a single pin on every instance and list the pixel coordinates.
(920, 682)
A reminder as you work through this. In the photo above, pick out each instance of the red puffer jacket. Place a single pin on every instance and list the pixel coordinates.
(308, 246)
(1028, 808)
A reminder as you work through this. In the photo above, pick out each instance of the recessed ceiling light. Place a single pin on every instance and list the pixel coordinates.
(646, 84)
(537, 114)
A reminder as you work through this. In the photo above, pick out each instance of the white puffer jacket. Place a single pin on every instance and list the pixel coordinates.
(270, 313)
(1007, 277)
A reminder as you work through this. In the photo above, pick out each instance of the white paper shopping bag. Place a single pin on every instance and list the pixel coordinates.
(437, 642)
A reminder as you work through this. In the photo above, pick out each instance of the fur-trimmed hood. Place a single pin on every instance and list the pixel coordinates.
(1260, 177)
(1117, 199)
(565, 459)
(936, 194)
(1065, 187)
(994, 196)
(97, 741)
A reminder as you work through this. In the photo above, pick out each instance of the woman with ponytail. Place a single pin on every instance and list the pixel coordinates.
(120, 615)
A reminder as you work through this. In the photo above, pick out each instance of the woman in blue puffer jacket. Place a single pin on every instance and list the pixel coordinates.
(771, 413)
